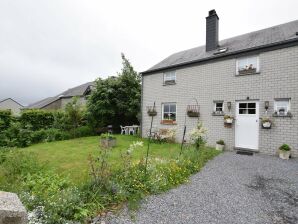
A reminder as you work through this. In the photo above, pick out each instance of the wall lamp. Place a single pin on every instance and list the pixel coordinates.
(229, 104)
(266, 105)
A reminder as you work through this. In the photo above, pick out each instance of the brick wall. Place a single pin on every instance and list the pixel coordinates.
(278, 78)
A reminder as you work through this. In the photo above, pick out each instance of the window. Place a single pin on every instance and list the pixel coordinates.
(169, 77)
(169, 111)
(282, 106)
(218, 107)
(247, 108)
(248, 65)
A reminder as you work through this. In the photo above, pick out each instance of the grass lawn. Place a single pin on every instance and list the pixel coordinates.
(70, 157)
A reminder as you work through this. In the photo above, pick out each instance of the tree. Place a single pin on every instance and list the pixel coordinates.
(116, 100)
(74, 114)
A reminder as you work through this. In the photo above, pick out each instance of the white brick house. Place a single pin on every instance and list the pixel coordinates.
(243, 77)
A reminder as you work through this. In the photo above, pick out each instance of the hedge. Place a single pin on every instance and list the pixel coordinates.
(37, 119)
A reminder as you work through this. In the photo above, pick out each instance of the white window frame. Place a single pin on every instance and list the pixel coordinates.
(162, 110)
(288, 100)
(171, 74)
(246, 58)
(214, 107)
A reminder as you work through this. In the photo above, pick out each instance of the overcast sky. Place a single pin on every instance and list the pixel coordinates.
(48, 46)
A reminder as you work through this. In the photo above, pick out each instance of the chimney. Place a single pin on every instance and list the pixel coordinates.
(212, 31)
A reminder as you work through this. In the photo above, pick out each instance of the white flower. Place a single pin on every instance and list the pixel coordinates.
(134, 145)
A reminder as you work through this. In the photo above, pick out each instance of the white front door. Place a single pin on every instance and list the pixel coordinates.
(247, 125)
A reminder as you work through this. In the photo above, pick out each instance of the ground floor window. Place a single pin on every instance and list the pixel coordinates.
(218, 107)
(282, 106)
(169, 111)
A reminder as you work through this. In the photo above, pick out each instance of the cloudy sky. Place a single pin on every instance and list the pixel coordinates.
(48, 46)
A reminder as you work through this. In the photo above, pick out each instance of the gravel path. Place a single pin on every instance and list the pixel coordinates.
(230, 189)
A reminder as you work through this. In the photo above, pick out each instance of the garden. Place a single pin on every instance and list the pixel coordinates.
(75, 180)
(66, 168)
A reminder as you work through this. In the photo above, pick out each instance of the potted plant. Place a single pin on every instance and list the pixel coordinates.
(220, 144)
(193, 113)
(284, 151)
(266, 123)
(248, 70)
(151, 111)
(107, 140)
(228, 119)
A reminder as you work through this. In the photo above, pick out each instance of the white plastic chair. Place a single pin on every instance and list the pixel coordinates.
(123, 132)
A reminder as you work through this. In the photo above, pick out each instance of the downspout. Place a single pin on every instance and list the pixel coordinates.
(141, 121)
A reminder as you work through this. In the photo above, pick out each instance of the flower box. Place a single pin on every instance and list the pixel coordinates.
(247, 71)
(107, 143)
(193, 113)
(266, 125)
(168, 122)
(229, 120)
(170, 82)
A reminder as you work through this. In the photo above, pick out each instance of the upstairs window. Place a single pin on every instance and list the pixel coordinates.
(282, 107)
(218, 107)
(247, 65)
(169, 111)
(169, 77)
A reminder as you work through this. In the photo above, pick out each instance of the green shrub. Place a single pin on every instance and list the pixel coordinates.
(285, 147)
(84, 131)
(16, 136)
(60, 120)
(15, 164)
(5, 119)
(37, 119)
(220, 142)
(107, 136)
(60, 202)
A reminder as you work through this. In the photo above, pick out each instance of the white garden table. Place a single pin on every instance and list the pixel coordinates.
(134, 129)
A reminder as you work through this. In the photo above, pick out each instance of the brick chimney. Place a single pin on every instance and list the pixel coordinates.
(212, 31)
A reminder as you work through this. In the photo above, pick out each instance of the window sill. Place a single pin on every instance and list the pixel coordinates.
(218, 114)
(247, 74)
(288, 115)
(169, 84)
(168, 122)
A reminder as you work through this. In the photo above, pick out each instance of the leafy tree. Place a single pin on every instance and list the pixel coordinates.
(116, 100)
(74, 114)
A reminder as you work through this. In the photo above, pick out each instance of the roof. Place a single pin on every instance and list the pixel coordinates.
(11, 100)
(275, 35)
(76, 91)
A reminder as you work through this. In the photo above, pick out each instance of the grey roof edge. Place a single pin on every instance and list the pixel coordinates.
(58, 97)
(12, 100)
(281, 43)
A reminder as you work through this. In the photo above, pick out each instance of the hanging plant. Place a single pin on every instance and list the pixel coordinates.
(193, 111)
(266, 123)
(228, 119)
(151, 111)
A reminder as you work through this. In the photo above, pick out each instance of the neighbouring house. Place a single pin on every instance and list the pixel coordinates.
(11, 104)
(251, 78)
(60, 101)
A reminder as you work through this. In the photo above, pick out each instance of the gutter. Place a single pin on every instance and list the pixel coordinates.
(277, 45)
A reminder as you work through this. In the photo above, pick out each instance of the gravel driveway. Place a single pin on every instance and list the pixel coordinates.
(230, 189)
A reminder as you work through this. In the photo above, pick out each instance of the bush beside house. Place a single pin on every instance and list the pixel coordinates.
(34, 126)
